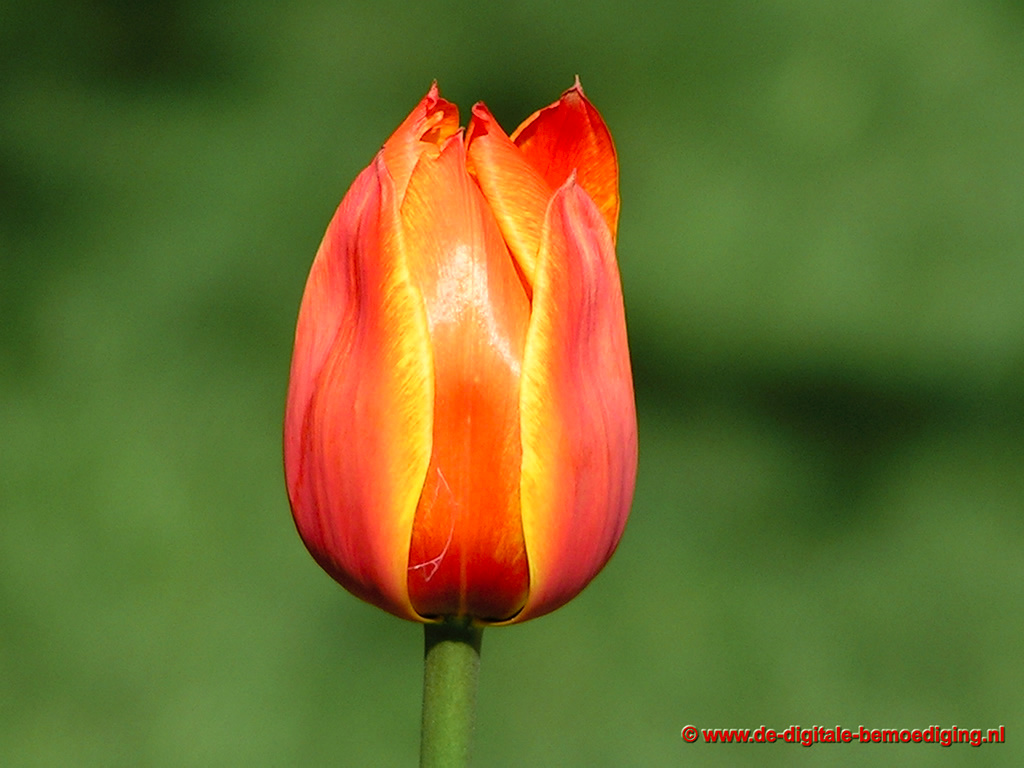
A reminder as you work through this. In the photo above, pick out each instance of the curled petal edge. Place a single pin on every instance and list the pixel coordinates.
(515, 190)
(424, 131)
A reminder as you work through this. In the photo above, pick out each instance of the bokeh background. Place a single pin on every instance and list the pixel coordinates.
(822, 250)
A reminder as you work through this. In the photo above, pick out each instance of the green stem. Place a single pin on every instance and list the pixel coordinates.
(451, 663)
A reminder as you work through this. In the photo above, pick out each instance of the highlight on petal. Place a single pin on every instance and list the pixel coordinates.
(467, 555)
(571, 135)
(359, 421)
(515, 190)
(427, 127)
(578, 417)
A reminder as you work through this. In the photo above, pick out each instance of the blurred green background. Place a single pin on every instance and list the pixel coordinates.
(822, 249)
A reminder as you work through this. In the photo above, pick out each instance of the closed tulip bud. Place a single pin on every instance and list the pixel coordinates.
(460, 432)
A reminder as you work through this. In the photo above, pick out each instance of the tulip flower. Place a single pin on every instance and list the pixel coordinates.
(460, 432)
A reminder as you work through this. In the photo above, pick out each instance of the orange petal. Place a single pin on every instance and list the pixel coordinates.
(426, 128)
(358, 422)
(467, 555)
(516, 192)
(577, 410)
(570, 135)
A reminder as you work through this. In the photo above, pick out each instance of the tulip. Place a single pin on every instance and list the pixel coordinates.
(460, 431)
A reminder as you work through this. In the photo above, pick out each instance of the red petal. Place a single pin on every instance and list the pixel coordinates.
(467, 555)
(577, 408)
(359, 416)
(570, 135)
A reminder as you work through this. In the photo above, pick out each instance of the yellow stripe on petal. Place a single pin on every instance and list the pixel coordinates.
(576, 406)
